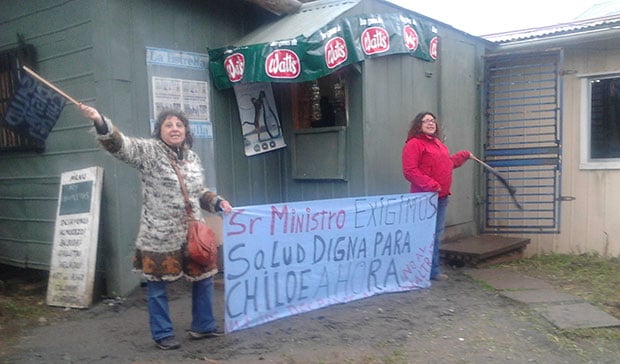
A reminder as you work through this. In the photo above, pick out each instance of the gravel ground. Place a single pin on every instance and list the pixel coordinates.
(455, 321)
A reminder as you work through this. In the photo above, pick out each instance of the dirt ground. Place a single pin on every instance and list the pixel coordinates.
(456, 321)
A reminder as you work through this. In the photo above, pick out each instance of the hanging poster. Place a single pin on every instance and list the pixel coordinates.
(289, 258)
(34, 108)
(260, 123)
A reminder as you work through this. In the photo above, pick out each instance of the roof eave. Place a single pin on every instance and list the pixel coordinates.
(583, 36)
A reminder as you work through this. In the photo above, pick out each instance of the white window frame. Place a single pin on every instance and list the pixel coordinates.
(585, 161)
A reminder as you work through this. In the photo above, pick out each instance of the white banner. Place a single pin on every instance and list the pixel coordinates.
(285, 259)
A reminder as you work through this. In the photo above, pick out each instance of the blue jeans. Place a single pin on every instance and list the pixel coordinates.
(442, 206)
(159, 312)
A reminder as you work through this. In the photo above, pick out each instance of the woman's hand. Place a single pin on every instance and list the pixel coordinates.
(225, 206)
(91, 113)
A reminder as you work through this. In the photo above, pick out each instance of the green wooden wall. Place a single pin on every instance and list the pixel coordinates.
(95, 51)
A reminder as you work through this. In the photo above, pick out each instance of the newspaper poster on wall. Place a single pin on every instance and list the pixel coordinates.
(260, 123)
(180, 80)
(187, 95)
(74, 253)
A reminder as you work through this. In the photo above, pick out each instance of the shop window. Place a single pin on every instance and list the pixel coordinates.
(320, 103)
(10, 61)
(601, 122)
(320, 114)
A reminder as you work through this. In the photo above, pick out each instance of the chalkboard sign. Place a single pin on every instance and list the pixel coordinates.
(74, 254)
(75, 198)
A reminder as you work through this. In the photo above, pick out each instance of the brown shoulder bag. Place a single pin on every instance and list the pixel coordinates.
(201, 241)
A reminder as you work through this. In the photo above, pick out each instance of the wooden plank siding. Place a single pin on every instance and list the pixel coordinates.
(96, 52)
(29, 181)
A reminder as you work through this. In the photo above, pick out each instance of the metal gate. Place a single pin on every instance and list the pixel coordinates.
(523, 141)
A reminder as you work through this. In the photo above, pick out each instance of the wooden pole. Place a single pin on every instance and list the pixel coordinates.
(503, 180)
(493, 170)
(50, 85)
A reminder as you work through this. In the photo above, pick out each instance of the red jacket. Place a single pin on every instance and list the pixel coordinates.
(428, 165)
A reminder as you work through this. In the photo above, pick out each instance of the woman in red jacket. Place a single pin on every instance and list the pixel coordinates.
(428, 165)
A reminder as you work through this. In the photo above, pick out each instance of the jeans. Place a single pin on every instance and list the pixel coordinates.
(442, 206)
(159, 312)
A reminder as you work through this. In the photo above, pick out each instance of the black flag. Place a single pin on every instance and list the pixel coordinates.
(34, 109)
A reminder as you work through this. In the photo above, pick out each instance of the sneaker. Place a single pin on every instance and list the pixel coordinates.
(440, 277)
(195, 335)
(168, 343)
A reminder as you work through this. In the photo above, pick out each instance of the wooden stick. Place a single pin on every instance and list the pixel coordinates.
(491, 169)
(50, 85)
(511, 189)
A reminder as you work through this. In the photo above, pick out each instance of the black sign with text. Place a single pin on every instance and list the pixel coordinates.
(34, 109)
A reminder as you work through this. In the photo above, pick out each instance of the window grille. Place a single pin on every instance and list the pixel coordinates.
(523, 141)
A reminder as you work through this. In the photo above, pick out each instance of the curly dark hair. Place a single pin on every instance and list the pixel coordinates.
(165, 114)
(416, 125)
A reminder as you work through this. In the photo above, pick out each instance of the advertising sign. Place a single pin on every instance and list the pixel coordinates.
(341, 42)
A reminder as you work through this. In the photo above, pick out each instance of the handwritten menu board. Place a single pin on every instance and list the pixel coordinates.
(74, 254)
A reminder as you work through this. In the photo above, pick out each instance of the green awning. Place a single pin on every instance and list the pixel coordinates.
(315, 42)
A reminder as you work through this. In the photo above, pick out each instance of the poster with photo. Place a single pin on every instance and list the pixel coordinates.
(260, 123)
(180, 80)
(188, 95)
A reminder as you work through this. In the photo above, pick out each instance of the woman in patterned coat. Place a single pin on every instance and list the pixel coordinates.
(161, 242)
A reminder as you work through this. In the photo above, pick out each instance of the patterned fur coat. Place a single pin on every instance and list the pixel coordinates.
(161, 241)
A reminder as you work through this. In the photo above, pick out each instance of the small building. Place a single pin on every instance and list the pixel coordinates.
(552, 121)
(109, 54)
